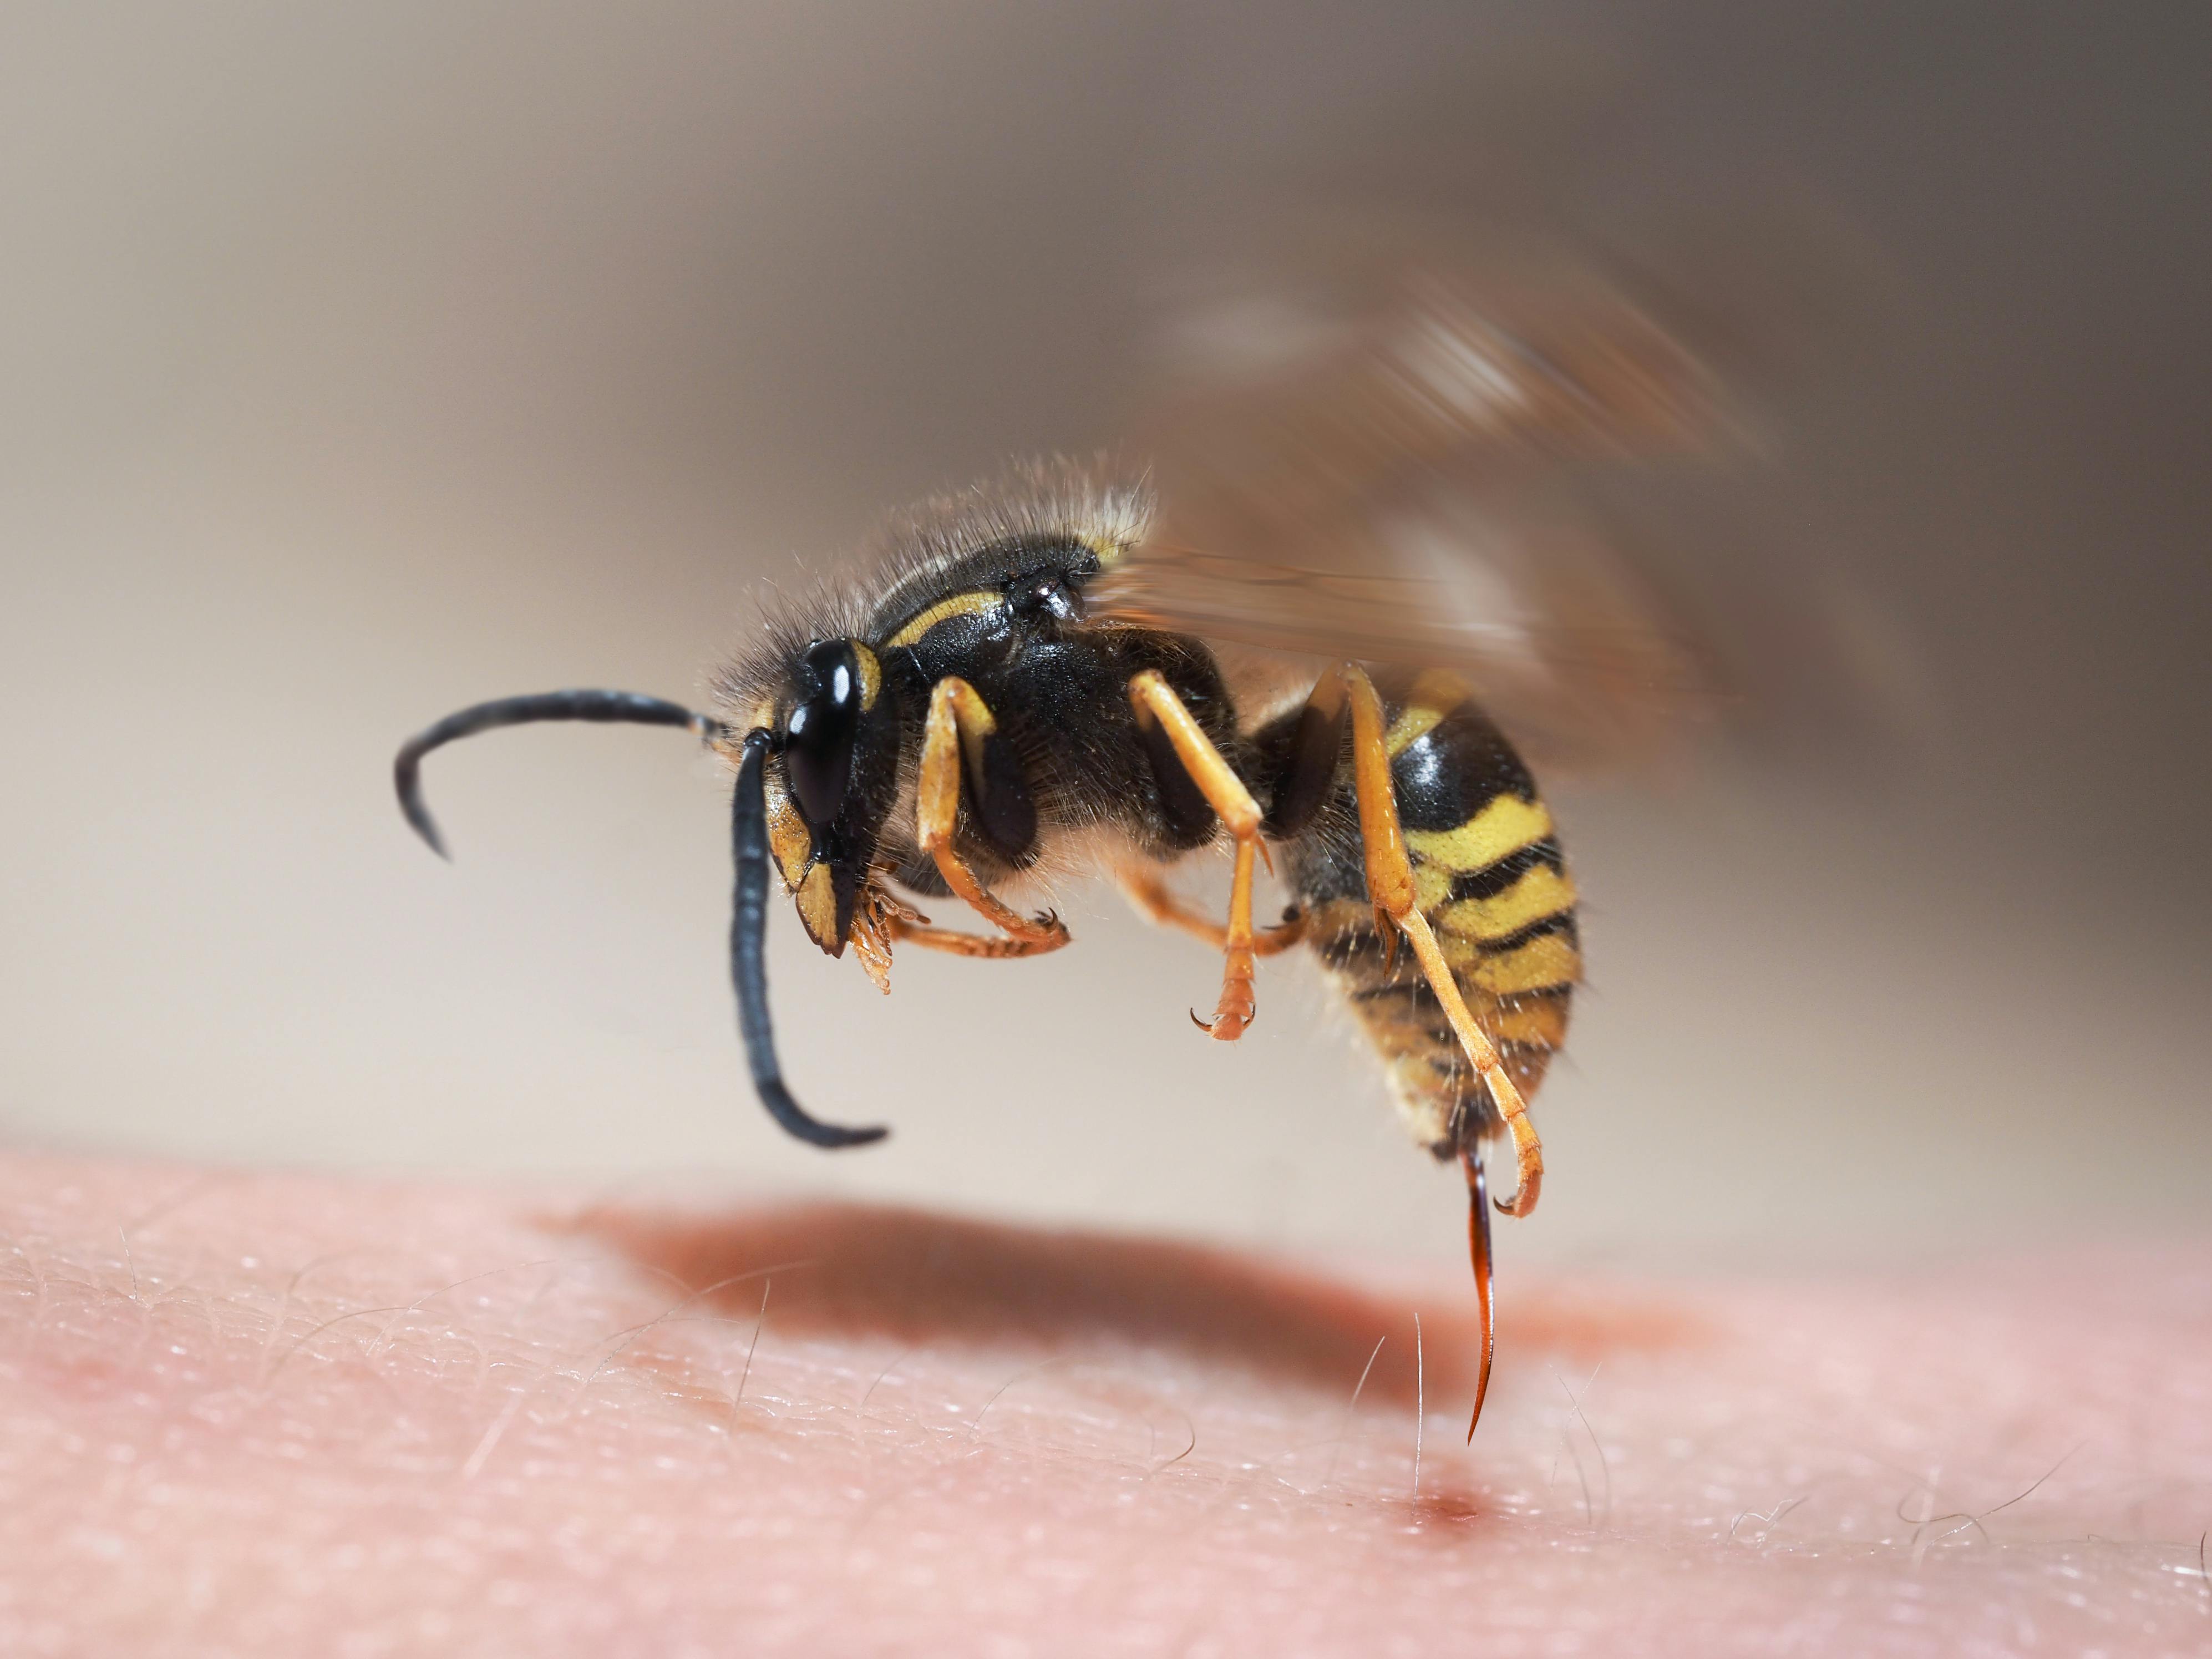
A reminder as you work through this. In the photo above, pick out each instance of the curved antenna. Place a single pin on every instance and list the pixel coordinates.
(748, 956)
(633, 707)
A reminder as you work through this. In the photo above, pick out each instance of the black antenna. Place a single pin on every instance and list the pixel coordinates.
(749, 841)
(748, 956)
(633, 707)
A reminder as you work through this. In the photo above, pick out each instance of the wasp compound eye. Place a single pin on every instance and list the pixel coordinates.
(819, 734)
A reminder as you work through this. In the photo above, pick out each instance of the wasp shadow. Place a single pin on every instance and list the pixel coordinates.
(919, 1276)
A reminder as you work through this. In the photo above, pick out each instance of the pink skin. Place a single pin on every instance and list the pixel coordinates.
(275, 1414)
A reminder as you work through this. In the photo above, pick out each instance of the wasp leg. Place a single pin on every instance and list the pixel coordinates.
(1390, 886)
(961, 723)
(1149, 895)
(1478, 1249)
(1155, 702)
(955, 943)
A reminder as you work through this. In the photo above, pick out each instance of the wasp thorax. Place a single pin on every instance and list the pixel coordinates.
(819, 733)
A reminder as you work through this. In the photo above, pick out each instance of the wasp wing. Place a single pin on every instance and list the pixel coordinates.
(1385, 448)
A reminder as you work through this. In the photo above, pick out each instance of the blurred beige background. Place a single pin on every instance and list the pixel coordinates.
(359, 363)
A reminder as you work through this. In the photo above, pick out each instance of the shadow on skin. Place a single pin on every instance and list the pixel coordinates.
(916, 1276)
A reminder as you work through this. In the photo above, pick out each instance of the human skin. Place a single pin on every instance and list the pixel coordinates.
(267, 1413)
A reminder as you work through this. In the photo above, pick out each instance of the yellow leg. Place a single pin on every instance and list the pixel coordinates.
(1155, 702)
(955, 943)
(1390, 886)
(1233, 1013)
(1149, 894)
(958, 721)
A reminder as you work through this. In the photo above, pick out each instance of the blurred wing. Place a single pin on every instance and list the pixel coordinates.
(1561, 645)
(1382, 451)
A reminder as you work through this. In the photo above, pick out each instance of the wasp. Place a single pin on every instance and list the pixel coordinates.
(1061, 670)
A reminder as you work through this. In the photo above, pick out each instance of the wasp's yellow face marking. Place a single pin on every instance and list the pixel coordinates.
(1543, 892)
(788, 837)
(982, 601)
(1499, 831)
(792, 844)
(872, 675)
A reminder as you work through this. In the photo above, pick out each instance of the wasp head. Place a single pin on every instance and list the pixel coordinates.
(832, 779)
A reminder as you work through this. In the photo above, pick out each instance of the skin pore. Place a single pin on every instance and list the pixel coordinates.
(271, 1414)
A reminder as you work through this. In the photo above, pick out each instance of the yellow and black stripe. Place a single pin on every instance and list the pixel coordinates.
(1490, 877)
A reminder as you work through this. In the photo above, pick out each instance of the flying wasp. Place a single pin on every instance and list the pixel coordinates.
(1302, 638)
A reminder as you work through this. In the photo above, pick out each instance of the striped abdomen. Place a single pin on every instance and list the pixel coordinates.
(1490, 877)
